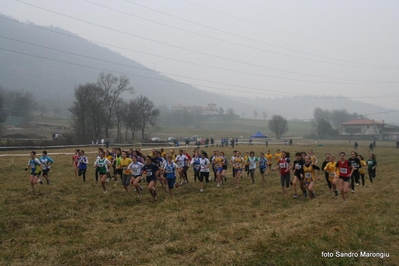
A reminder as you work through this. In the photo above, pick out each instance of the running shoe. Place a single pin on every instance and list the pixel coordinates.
(201, 190)
(295, 196)
(116, 183)
(105, 192)
(141, 188)
(218, 185)
(353, 191)
(41, 182)
(181, 183)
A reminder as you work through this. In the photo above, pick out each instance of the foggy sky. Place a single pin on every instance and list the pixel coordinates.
(357, 42)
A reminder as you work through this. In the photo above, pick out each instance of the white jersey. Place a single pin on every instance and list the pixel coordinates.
(252, 162)
(203, 163)
(135, 168)
(181, 160)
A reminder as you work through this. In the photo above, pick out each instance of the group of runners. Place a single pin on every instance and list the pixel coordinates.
(131, 167)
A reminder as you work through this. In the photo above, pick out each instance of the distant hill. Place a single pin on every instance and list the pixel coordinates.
(54, 81)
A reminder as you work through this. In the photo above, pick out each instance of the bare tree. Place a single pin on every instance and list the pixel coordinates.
(42, 109)
(278, 125)
(146, 113)
(112, 88)
(88, 116)
(256, 114)
(264, 115)
(56, 111)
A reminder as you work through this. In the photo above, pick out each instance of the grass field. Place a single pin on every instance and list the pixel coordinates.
(73, 223)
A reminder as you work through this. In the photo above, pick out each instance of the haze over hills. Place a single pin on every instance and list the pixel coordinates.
(46, 61)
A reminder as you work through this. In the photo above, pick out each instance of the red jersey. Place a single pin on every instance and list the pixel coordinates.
(284, 164)
(75, 159)
(344, 168)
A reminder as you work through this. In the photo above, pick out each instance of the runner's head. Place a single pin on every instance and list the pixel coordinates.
(32, 154)
(44, 153)
(298, 155)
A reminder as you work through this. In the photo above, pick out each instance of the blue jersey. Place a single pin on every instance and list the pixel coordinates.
(33, 163)
(196, 163)
(170, 170)
(262, 163)
(45, 161)
(82, 162)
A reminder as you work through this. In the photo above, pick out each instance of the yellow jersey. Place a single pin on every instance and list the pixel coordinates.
(308, 173)
(277, 156)
(331, 170)
(238, 162)
(362, 170)
(246, 159)
(124, 163)
(269, 158)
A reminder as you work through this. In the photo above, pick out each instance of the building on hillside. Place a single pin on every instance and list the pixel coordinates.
(363, 129)
(210, 109)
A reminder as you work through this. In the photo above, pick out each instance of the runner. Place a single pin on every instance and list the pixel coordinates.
(277, 156)
(217, 163)
(124, 162)
(149, 170)
(355, 163)
(263, 162)
(238, 164)
(135, 168)
(252, 160)
(110, 158)
(344, 171)
(169, 169)
(75, 162)
(299, 174)
(362, 170)
(195, 161)
(46, 161)
(326, 173)
(100, 150)
(284, 165)
(102, 165)
(225, 163)
(309, 176)
(33, 164)
(82, 164)
(117, 166)
(371, 165)
(204, 170)
(246, 169)
(330, 170)
(269, 158)
(181, 162)
(313, 158)
(232, 163)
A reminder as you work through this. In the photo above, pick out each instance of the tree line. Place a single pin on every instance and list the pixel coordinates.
(101, 106)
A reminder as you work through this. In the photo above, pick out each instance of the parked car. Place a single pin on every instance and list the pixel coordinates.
(171, 139)
(155, 139)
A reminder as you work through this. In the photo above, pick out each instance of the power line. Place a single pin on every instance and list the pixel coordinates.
(178, 60)
(284, 31)
(234, 43)
(152, 78)
(246, 38)
(141, 68)
(194, 51)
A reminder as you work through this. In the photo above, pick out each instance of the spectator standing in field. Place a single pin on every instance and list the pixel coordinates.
(371, 167)
(371, 147)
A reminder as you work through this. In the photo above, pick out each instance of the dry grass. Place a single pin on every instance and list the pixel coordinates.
(74, 223)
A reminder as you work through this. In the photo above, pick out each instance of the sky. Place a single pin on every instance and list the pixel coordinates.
(256, 49)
